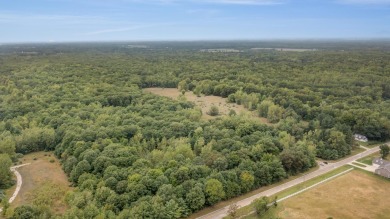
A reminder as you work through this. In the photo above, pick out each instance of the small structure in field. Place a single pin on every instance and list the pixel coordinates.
(382, 167)
(359, 137)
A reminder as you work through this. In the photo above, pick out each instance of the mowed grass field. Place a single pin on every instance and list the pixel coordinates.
(205, 103)
(357, 194)
(44, 182)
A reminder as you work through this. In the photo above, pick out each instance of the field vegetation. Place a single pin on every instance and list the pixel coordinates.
(205, 103)
(133, 154)
(351, 195)
(45, 184)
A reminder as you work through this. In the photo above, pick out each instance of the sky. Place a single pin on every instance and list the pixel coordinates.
(152, 20)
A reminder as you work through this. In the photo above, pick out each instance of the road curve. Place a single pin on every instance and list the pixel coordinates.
(18, 183)
(222, 212)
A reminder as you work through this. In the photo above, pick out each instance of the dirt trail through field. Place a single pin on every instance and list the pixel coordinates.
(18, 184)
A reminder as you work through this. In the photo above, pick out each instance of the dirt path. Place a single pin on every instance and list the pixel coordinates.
(222, 212)
(18, 184)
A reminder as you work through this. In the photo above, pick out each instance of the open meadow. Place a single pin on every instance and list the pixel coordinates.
(44, 182)
(205, 103)
(357, 194)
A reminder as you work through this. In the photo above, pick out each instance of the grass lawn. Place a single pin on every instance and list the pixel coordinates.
(353, 195)
(358, 164)
(246, 210)
(44, 182)
(368, 159)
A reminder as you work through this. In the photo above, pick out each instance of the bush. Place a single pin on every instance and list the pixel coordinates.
(214, 111)
(261, 205)
(232, 113)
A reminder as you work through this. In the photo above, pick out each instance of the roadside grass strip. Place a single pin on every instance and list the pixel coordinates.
(297, 189)
(307, 188)
(368, 159)
(359, 164)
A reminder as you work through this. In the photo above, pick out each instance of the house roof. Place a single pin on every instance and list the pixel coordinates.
(382, 163)
(386, 167)
(360, 137)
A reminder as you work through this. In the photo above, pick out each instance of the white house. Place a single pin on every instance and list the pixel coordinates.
(359, 137)
(382, 167)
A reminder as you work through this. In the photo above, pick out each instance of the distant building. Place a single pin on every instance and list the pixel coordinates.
(382, 167)
(360, 138)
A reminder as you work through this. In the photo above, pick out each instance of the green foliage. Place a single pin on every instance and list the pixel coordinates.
(27, 212)
(132, 154)
(297, 159)
(213, 111)
(232, 211)
(385, 149)
(261, 205)
(247, 181)
(7, 146)
(5, 172)
(275, 113)
(195, 198)
(35, 139)
(214, 191)
(4, 203)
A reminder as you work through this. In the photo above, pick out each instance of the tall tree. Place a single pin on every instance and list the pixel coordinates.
(5, 172)
(214, 191)
(385, 149)
(7, 146)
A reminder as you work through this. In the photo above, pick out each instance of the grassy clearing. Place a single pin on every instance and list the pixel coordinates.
(248, 209)
(205, 103)
(358, 194)
(44, 182)
(354, 195)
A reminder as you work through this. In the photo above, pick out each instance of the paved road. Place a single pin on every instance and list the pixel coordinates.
(18, 183)
(222, 212)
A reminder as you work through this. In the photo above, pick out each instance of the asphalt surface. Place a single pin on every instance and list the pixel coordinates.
(222, 212)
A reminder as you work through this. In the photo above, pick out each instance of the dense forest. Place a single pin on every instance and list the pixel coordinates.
(132, 154)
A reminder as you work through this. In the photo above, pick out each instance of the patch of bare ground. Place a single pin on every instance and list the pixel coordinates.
(205, 103)
(354, 195)
(44, 182)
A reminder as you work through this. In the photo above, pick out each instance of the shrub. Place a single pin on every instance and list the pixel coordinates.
(214, 111)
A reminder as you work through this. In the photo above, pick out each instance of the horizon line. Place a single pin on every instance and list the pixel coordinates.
(334, 39)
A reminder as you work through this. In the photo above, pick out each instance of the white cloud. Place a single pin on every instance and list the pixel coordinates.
(366, 2)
